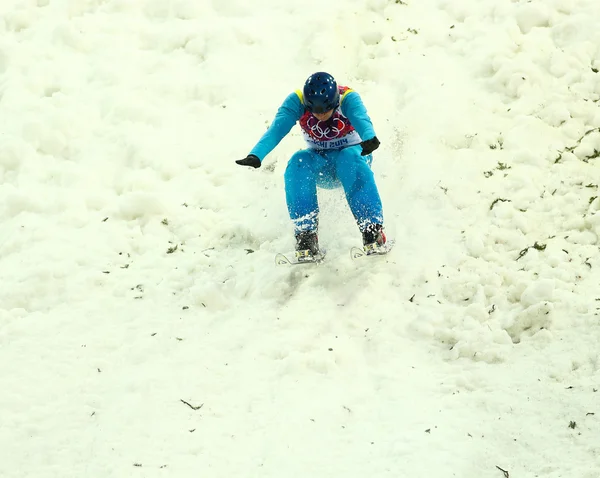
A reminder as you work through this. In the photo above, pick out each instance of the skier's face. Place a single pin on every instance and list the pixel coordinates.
(323, 116)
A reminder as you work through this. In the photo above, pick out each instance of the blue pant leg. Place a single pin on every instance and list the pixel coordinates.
(354, 172)
(301, 189)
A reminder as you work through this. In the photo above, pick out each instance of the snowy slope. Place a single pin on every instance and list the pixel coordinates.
(144, 328)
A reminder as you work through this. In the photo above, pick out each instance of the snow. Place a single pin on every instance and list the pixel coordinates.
(144, 328)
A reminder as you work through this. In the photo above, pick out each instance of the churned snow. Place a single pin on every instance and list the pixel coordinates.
(145, 330)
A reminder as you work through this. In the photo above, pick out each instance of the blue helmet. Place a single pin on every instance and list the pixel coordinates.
(321, 93)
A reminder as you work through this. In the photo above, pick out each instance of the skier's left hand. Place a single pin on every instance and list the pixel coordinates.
(369, 146)
(250, 160)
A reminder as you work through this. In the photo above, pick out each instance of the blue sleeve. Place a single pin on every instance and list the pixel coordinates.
(354, 109)
(287, 115)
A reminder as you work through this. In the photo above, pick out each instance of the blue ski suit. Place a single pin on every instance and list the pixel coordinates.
(333, 158)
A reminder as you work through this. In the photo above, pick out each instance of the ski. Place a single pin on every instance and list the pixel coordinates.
(360, 252)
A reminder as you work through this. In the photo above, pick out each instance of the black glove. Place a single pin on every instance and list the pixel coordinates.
(369, 146)
(250, 160)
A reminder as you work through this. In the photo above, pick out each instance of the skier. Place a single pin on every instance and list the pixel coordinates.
(340, 139)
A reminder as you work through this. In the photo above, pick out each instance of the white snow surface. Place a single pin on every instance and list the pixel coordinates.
(145, 330)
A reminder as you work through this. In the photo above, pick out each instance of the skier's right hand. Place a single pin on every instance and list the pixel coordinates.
(250, 160)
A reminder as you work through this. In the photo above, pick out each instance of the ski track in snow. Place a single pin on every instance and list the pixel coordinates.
(137, 260)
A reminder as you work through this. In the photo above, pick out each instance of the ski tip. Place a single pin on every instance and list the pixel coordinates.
(284, 260)
(357, 252)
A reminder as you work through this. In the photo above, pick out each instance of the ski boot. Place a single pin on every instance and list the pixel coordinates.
(374, 240)
(307, 247)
